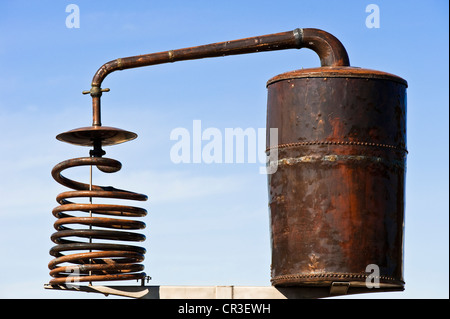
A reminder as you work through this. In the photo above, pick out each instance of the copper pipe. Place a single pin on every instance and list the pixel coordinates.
(330, 50)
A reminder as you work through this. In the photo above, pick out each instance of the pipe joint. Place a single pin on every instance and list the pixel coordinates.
(96, 91)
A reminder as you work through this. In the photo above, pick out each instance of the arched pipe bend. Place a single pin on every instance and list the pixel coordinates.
(329, 49)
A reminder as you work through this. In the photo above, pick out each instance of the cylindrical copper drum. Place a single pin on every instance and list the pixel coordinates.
(337, 196)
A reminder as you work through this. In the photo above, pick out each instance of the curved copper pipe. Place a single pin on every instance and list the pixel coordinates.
(330, 50)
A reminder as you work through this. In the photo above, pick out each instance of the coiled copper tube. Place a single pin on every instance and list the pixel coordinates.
(100, 261)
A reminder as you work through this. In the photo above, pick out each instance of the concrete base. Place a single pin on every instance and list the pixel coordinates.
(219, 292)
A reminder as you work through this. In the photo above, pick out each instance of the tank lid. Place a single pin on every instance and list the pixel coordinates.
(337, 72)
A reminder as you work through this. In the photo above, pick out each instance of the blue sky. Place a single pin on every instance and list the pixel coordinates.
(208, 223)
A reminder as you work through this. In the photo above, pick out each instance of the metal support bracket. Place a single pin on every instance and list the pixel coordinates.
(339, 288)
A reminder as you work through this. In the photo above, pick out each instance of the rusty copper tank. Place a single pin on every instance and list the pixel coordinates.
(337, 196)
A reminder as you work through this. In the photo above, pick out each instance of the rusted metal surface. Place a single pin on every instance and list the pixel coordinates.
(91, 259)
(329, 49)
(337, 198)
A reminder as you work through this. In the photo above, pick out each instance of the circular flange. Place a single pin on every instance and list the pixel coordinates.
(85, 136)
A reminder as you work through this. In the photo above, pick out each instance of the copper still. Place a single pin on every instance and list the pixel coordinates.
(336, 197)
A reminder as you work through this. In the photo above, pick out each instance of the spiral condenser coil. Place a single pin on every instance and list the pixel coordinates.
(81, 253)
